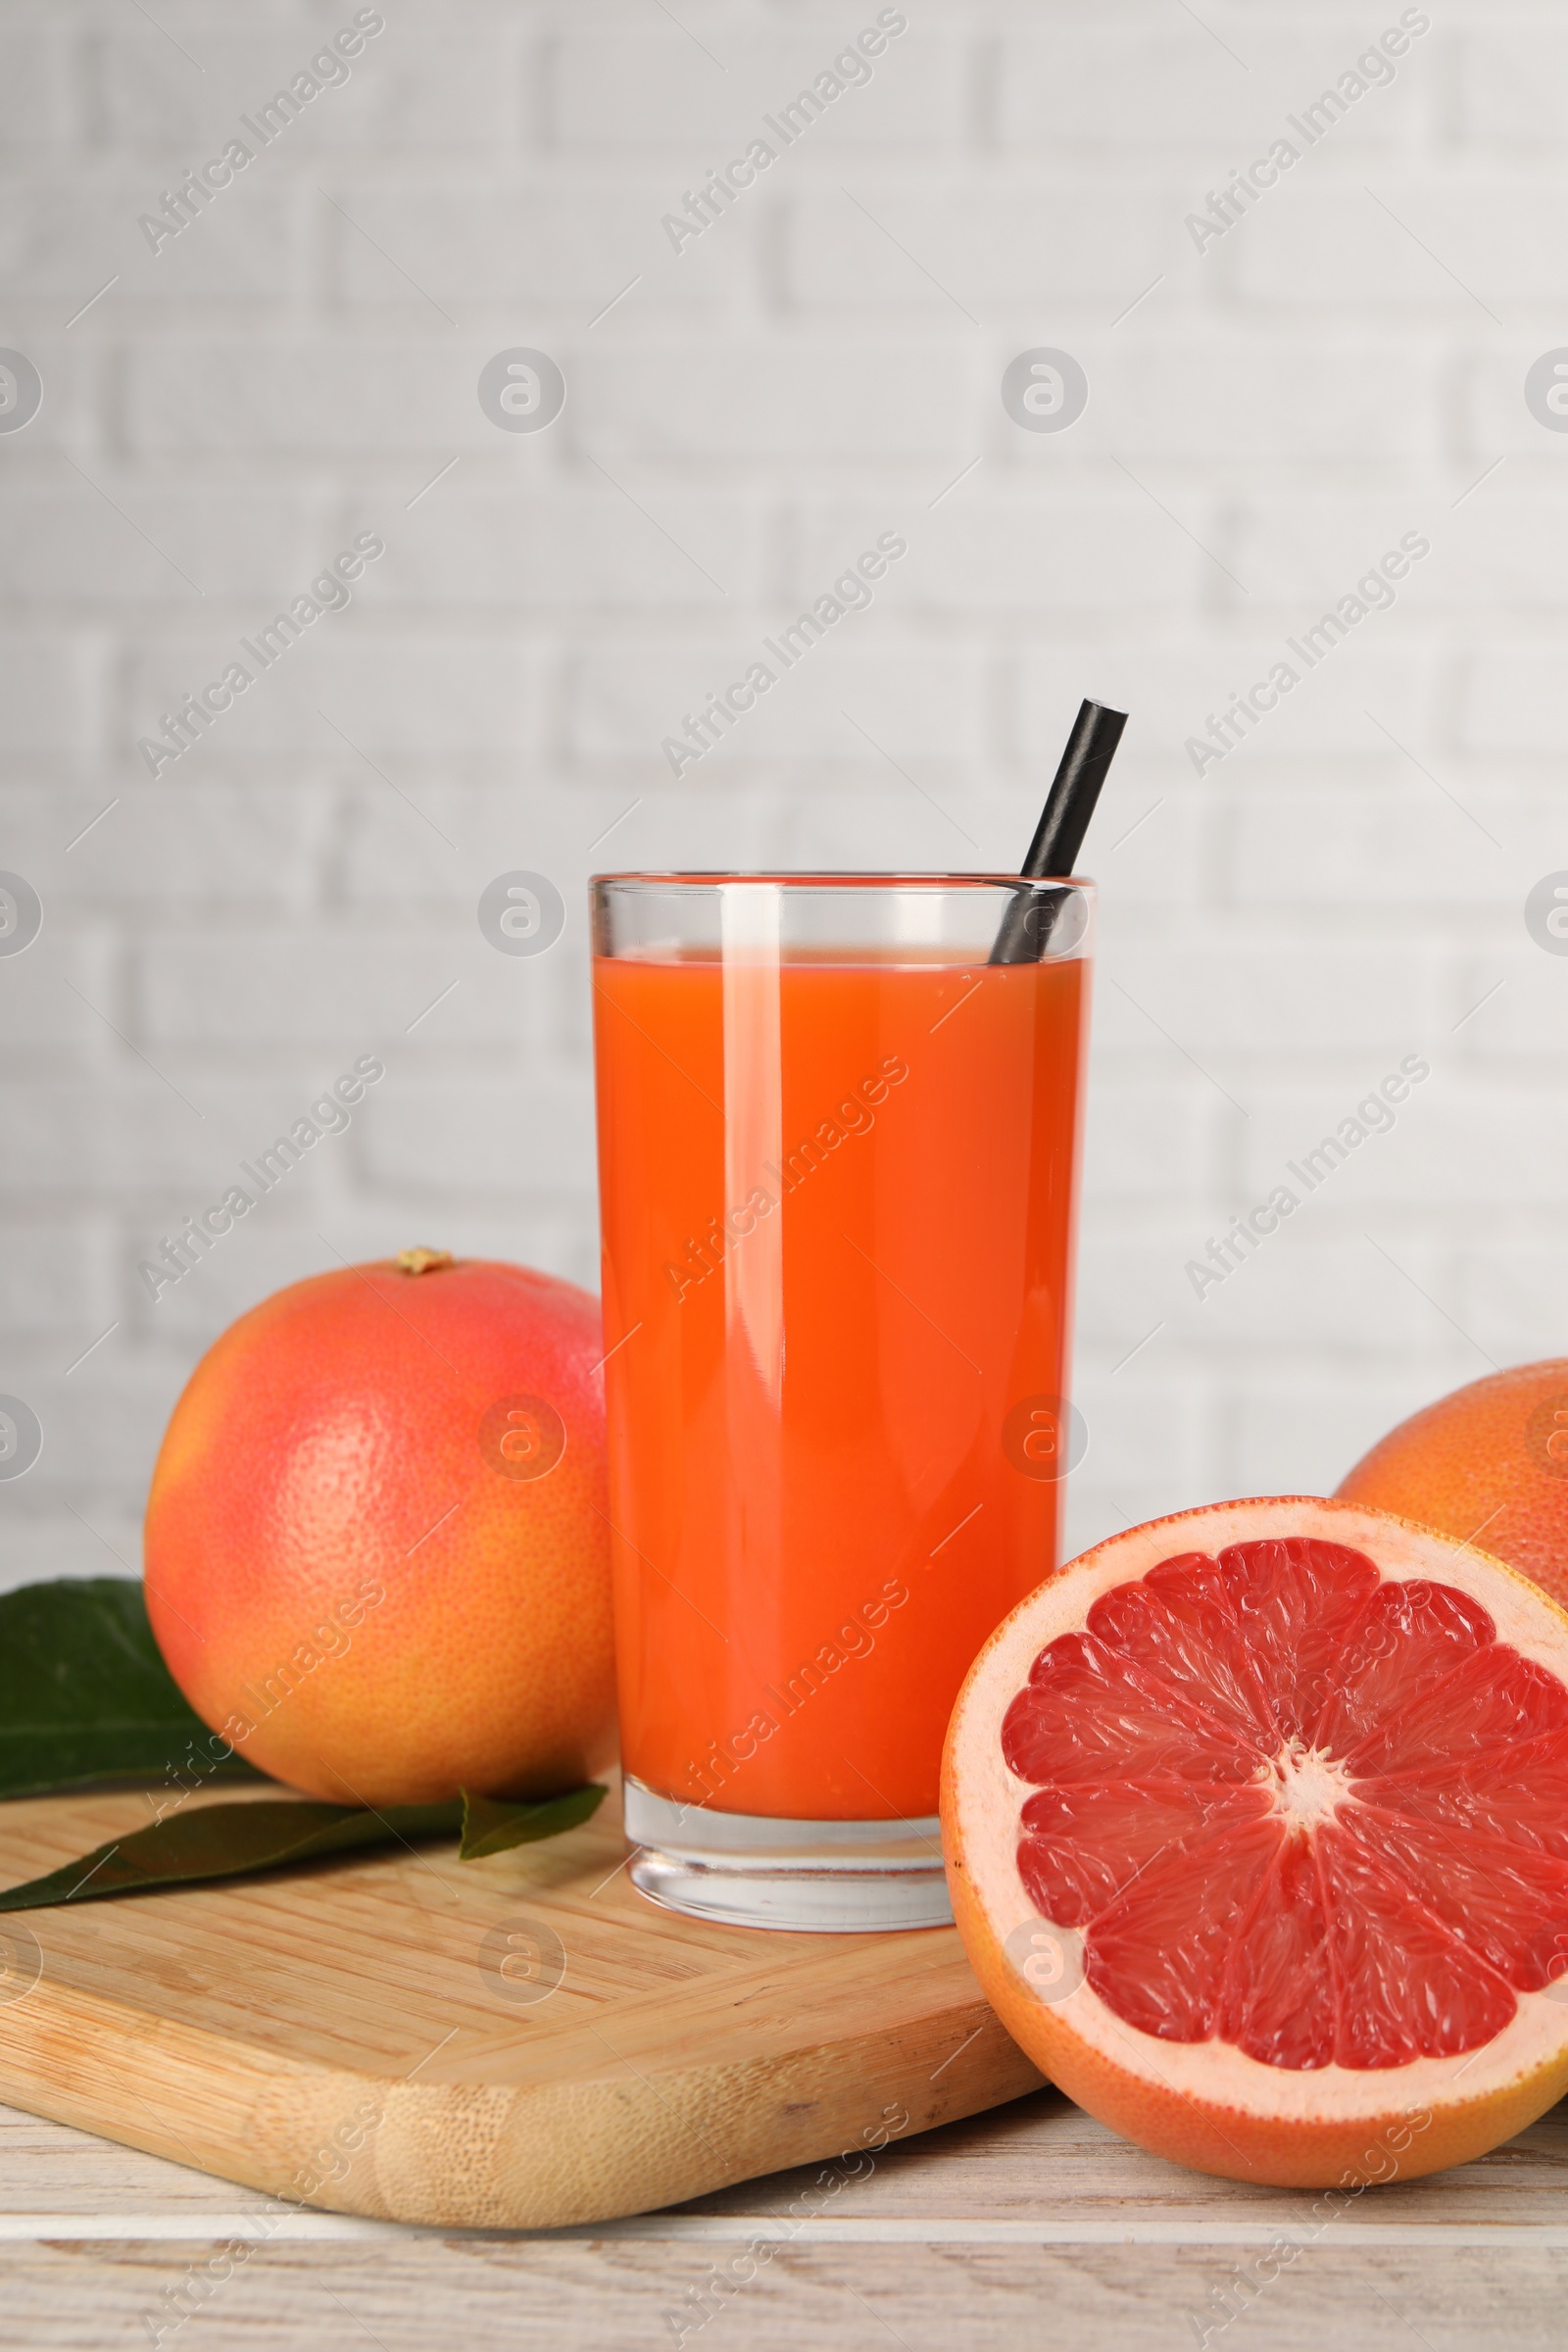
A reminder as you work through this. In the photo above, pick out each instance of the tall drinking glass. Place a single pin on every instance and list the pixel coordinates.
(838, 1160)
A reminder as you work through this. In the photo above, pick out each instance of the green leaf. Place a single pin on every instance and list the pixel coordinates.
(230, 1841)
(490, 1825)
(227, 1842)
(85, 1695)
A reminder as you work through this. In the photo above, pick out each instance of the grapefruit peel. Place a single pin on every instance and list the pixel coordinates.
(1204, 2102)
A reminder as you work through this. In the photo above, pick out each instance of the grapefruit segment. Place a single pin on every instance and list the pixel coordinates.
(1294, 1601)
(1493, 1700)
(1405, 1637)
(1179, 1631)
(1090, 1714)
(1514, 1796)
(1506, 1905)
(1406, 1988)
(1157, 1954)
(1284, 1786)
(1083, 1844)
(1277, 2000)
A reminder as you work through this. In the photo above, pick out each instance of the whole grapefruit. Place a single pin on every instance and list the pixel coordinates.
(1256, 1826)
(377, 1555)
(1488, 1464)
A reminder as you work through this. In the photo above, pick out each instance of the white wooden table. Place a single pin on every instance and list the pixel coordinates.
(1030, 2227)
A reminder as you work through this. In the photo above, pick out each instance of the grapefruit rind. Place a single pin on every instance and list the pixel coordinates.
(1491, 1456)
(339, 1579)
(1209, 2104)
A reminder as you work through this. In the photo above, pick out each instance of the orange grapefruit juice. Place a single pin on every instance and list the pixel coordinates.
(837, 1209)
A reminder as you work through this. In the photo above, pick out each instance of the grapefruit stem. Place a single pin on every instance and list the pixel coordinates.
(422, 1262)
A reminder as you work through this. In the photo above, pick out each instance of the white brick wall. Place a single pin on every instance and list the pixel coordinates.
(1344, 365)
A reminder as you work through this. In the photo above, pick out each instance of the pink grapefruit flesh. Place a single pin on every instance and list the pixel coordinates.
(1256, 1821)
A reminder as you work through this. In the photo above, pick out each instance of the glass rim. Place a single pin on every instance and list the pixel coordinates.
(697, 880)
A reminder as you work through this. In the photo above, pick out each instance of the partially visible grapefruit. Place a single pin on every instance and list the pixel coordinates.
(1256, 1826)
(1488, 1464)
(377, 1559)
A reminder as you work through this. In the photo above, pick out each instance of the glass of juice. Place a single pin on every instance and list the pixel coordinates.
(838, 1155)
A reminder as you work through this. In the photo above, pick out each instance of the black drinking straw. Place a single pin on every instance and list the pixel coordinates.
(1059, 834)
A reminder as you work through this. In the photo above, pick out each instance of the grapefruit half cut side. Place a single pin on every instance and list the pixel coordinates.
(1256, 1826)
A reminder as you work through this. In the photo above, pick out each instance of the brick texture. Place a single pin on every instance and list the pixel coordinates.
(749, 403)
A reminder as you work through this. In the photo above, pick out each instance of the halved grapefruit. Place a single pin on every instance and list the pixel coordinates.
(1256, 1826)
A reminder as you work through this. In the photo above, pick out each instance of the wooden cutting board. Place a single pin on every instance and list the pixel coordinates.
(515, 2043)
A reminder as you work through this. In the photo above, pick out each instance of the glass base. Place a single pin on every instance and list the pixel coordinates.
(844, 1878)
